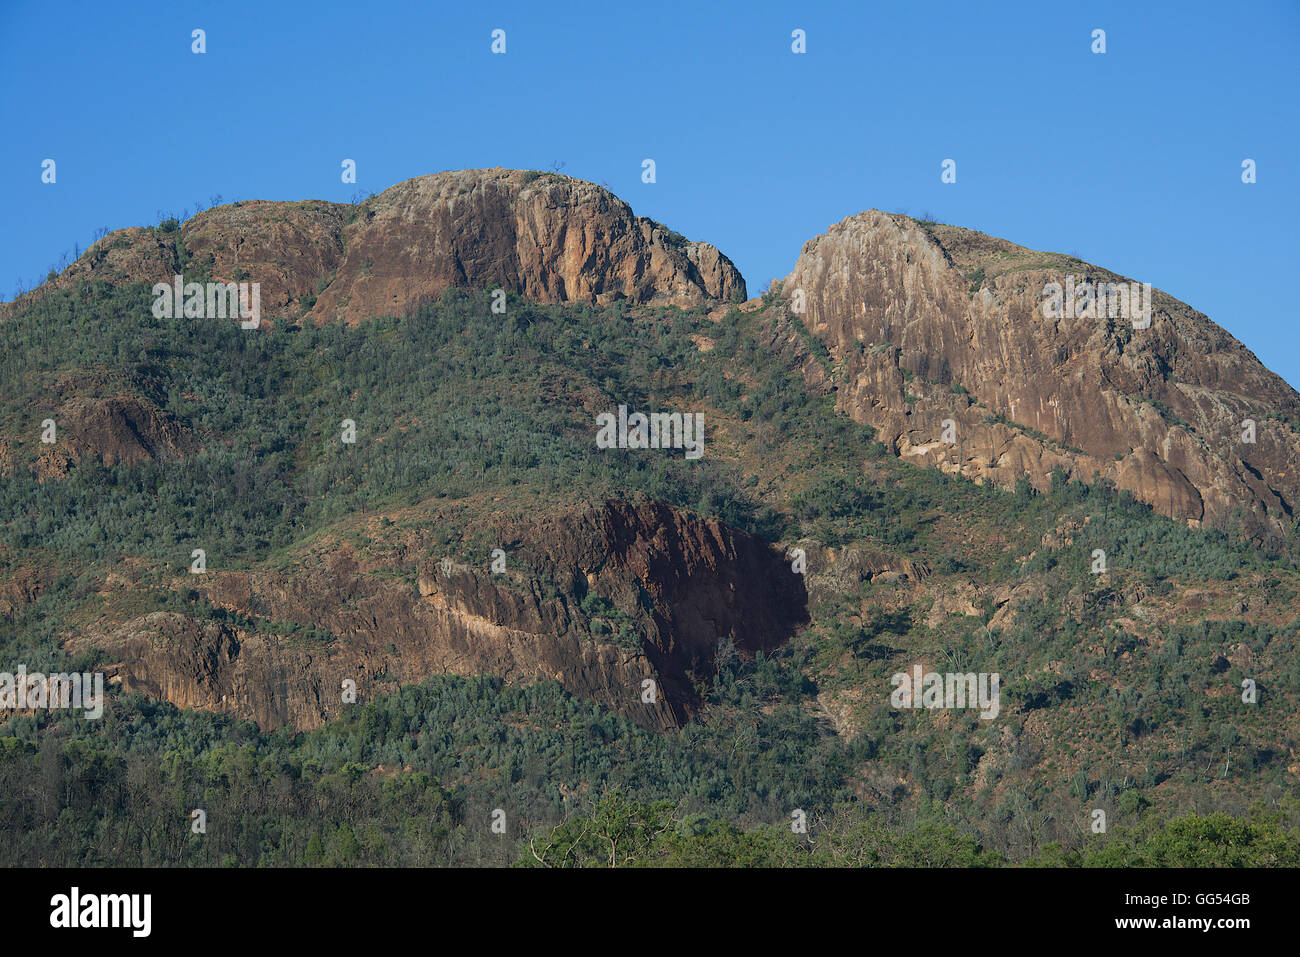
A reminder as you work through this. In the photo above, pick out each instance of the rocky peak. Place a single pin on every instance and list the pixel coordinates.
(546, 237)
(929, 323)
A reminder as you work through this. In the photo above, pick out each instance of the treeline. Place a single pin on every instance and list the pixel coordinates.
(412, 778)
(420, 778)
(618, 832)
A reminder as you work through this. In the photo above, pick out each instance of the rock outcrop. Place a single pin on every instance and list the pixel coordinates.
(290, 248)
(549, 238)
(926, 323)
(124, 429)
(546, 237)
(687, 584)
(121, 429)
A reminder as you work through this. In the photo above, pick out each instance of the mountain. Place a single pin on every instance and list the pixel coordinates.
(923, 323)
(549, 238)
(396, 483)
(926, 323)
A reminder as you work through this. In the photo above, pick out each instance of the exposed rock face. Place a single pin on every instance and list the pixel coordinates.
(134, 254)
(22, 587)
(913, 310)
(122, 429)
(290, 248)
(690, 583)
(549, 238)
(114, 430)
(687, 583)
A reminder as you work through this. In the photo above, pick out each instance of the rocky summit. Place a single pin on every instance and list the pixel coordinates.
(931, 324)
(550, 238)
(546, 237)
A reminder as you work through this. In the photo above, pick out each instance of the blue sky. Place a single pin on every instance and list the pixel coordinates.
(1130, 159)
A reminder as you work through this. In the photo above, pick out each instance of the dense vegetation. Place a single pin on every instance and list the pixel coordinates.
(416, 778)
(454, 404)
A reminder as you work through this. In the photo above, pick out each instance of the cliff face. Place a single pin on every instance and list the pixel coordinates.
(549, 238)
(915, 311)
(97, 418)
(123, 429)
(687, 584)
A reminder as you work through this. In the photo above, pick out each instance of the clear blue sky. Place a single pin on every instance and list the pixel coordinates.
(1129, 159)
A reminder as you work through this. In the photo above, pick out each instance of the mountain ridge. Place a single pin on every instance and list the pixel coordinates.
(925, 337)
(934, 332)
(378, 560)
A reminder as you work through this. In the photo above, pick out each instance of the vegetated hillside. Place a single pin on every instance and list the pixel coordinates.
(612, 642)
(476, 431)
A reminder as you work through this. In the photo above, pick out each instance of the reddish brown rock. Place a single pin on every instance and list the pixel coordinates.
(292, 249)
(915, 311)
(118, 429)
(549, 238)
(546, 237)
(689, 584)
(122, 430)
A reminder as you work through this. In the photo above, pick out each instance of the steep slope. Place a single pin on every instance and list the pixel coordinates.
(290, 248)
(926, 323)
(546, 237)
(686, 584)
(549, 238)
(373, 561)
